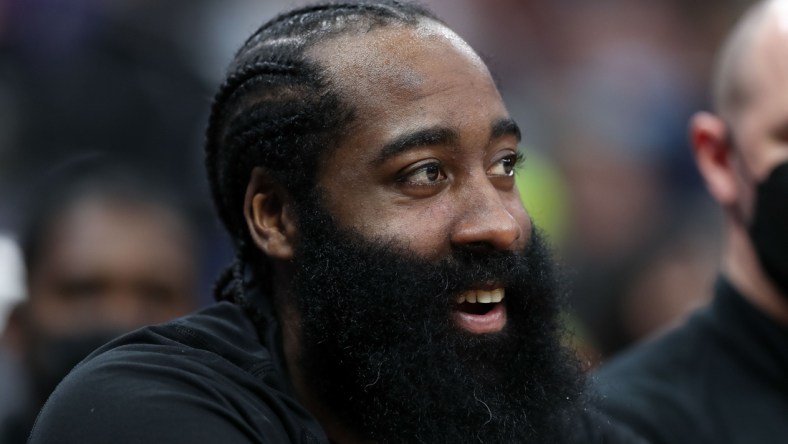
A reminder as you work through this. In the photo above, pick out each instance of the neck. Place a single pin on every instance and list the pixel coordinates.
(743, 269)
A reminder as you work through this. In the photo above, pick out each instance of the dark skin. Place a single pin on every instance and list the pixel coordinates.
(427, 164)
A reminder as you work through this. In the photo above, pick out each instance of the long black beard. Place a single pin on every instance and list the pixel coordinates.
(379, 348)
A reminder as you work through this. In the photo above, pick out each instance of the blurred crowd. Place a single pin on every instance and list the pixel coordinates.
(602, 91)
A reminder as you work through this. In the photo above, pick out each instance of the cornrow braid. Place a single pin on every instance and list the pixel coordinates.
(277, 110)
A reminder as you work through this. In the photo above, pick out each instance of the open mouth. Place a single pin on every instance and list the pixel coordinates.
(480, 311)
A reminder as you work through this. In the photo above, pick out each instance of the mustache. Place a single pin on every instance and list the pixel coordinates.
(414, 283)
(462, 268)
(465, 268)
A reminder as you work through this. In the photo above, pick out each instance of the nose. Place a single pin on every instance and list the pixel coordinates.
(485, 221)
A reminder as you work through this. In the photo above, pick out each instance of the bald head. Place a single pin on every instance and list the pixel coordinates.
(759, 36)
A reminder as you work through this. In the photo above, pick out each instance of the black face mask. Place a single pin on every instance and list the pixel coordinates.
(769, 227)
(51, 357)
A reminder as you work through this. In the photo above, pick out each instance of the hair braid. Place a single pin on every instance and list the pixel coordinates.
(233, 86)
(336, 8)
(230, 286)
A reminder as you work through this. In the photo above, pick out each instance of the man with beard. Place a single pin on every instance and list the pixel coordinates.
(723, 376)
(388, 284)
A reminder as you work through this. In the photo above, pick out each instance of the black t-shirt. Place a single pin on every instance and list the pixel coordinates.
(205, 378)
(721, 378)
(212, 377)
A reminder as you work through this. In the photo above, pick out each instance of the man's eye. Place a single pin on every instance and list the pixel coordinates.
(426, 175)
(504, 167)
(81, 288)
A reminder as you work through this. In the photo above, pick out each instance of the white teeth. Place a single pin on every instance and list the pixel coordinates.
(481, 296)
(470, 296)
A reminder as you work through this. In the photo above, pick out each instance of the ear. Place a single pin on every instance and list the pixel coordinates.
(714, 156)
(268, 213)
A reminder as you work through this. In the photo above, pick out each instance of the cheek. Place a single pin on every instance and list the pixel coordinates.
(423, 229)
(52, 312)
(745, 201)
(776, 155)
(761, 148)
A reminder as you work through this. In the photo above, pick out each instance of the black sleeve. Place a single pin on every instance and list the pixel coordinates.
(654, 408)
(127, 397)
(593, 427)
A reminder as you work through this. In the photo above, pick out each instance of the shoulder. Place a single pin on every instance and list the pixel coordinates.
(667, 356)
(196, 379)
(656, 387)
(592, 426)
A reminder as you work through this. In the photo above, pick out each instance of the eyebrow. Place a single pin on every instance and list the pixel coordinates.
(425, 137)
(506, 127)
(442, 136)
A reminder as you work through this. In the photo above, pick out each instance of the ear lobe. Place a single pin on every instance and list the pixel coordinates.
(268, 214)
(714, 156)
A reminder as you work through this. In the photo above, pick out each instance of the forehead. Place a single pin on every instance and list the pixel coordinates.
(393, 51)
(103, 233)
(399, 64)
(767, 64)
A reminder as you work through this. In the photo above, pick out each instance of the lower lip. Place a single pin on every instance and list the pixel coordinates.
(491, 322)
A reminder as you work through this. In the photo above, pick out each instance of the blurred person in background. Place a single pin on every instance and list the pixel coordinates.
(124, 77)
(723, 376)
(106, 252)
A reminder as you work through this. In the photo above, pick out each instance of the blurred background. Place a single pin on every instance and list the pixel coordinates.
(602, 90)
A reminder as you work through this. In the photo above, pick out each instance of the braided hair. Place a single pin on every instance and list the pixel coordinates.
(277, 110)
